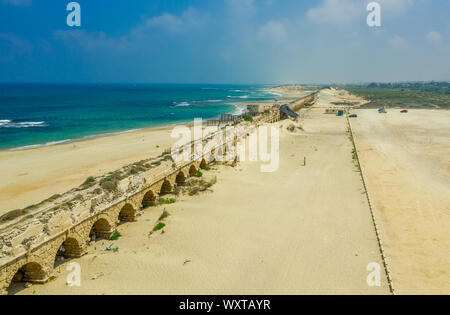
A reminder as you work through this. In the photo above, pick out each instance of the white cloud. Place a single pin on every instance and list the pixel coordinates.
(395, 7)
(434, 37)
(241, 8)
(175, 24)
(398, 42)
(340, 12)
(336, 12)
(131, 41)
(273, 31)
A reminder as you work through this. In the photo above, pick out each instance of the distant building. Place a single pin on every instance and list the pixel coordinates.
(253, 110)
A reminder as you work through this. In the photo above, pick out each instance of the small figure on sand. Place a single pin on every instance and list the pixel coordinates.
(304, 161)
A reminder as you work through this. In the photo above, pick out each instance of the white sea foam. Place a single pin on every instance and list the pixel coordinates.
(26, 124)
(207, 101)
(182, 104)
(239, 109)
(242, 97)
(276, 94)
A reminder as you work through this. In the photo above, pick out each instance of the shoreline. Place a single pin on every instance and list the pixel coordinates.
(238, 110)
(36, 173)
(242, 231)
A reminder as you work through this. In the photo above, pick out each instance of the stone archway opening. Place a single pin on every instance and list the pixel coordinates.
(127, 214)
(212, 158)
(181, 179)
(166, 188)
(149, 200)
(192, 171)
(70, 248)
(31, 272)
(203, 164)
(100, 230)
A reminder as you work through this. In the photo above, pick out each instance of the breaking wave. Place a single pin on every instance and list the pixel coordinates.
(26, 124)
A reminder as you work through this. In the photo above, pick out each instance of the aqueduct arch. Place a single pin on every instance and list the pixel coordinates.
(166, 188)
(149, 199)
(127, 213)
(30, 272)
(70, 248)
(101, 229)
(203, 164)
(192, 170)
(181, 178)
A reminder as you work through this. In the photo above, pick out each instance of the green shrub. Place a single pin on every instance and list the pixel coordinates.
(90, 180)
(109, 185)
(247, 118)
(12, 215)
(163, 201)
(116, 235)
(159, 227)
(164, 215)
(199, 174)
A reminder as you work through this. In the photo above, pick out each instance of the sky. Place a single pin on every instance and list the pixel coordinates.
(224, 41)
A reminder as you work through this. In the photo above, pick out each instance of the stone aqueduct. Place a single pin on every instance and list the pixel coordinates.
(32, 247)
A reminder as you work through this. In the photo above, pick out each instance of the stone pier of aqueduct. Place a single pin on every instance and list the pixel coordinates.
(29, 248)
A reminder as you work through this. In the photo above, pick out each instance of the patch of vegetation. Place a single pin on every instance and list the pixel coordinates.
(193, 191)
(89, 181)
(53, 198)
(177, 191)
(110, 182)
(163, 201)
(116, 235)
(164, 215)
(409, 95)
(207, 168)
(247, 118)
(109, 186)
(354, 155)
(159, 226)
(199, 174)
(13, 215)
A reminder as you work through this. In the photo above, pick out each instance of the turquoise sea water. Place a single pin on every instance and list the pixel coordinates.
(33, 115)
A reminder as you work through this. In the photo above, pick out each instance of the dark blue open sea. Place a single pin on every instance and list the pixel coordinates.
(34, 115)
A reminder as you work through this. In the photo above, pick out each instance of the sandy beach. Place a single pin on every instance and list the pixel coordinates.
(32, 175)
(299, 230)
(302, 229)
(225, 148)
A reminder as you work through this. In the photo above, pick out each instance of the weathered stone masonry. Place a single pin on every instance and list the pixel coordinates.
(28, 248)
